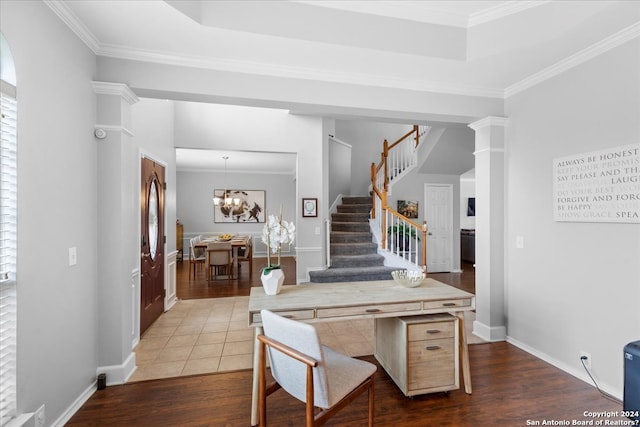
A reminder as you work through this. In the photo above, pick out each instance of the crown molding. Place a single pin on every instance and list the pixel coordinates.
(251, 67)
(489, 121)
(74, 23)
(576, 59)
(502, 10)
(121, 52)
(118, 89)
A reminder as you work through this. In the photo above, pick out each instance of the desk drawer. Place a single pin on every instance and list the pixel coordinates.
(368, 310)
(431, 364)
(431, 331)
(294, 314)
(453, 303)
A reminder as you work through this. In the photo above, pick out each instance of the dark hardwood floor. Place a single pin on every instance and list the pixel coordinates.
(510, 387)
(199, 287)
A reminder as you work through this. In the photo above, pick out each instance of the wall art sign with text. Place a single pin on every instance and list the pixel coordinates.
(599, 186)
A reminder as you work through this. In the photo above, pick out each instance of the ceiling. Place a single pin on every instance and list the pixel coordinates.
(489, 49)
(483, 48)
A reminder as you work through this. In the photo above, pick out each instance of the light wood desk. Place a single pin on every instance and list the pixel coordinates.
(325, 302)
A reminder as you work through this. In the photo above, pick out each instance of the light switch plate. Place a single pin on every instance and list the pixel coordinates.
(519, 242)
(73, 256)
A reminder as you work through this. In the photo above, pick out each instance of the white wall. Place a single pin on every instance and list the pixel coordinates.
(57, 209)
(153, 129)
(366, 139)
(195, 204)
(339, 169)
(239, 128)
(574, 286)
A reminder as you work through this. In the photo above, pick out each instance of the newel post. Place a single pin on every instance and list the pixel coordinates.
(424, 246)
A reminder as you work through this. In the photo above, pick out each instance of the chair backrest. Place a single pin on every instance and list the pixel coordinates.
(219, 253)
(247, 253)
(288, 372)
(193, 251)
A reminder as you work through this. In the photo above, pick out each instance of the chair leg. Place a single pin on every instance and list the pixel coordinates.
(371, 402)
(262, 386)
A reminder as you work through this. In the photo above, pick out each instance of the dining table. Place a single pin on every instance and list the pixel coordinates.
(237, 242)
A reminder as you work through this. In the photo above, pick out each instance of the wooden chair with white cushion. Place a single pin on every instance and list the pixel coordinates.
(219, 259)
(196, 256)
(246, 254)
(309, 371)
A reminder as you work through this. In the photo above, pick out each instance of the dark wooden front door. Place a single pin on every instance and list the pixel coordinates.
(152, 243)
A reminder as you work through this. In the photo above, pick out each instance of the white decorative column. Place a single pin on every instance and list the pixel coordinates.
(117, 237)
(490, 228)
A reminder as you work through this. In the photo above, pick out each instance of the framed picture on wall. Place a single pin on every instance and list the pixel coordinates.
(408, 208)
(309, 208)
(239, 206)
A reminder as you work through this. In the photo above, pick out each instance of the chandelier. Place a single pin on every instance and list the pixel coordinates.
(225, 200)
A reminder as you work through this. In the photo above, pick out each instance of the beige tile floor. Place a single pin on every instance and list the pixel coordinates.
(211, 335)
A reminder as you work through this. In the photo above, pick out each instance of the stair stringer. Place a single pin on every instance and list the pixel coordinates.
(428, 144)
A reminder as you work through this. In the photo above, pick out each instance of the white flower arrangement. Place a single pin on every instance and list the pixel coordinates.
(275, 233)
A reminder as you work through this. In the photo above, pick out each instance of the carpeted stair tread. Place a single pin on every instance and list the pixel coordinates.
(350, 236)
(354, 208)
(366, 260)
(352, 274)
(350, 226)
(353, 248)
(358, 200)
(354, 255)
(350, 217)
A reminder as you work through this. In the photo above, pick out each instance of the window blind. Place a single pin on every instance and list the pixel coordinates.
(8, 244)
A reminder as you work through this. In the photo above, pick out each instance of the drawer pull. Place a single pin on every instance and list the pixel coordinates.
(434, 331)
(372, 310)
(449, 304)
(432, 347)
(288, 316)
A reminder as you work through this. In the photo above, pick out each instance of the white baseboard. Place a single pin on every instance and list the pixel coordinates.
(75, 406)
(119, 374)
(116, 374)
(488, 333)
(580, 374)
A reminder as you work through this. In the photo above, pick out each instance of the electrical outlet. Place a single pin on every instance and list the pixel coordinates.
(586, 358)
(39, 419)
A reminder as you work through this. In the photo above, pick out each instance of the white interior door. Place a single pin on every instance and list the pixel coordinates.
(439, 216)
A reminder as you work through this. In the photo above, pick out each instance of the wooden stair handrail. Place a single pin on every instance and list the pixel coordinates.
(381, 194)
(408, 134)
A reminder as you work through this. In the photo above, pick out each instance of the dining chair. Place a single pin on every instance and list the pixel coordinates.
(246, 254)
(309, 371)
(219, 259)
(196, 256)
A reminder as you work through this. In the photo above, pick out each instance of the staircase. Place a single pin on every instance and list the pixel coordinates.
(354, 255)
